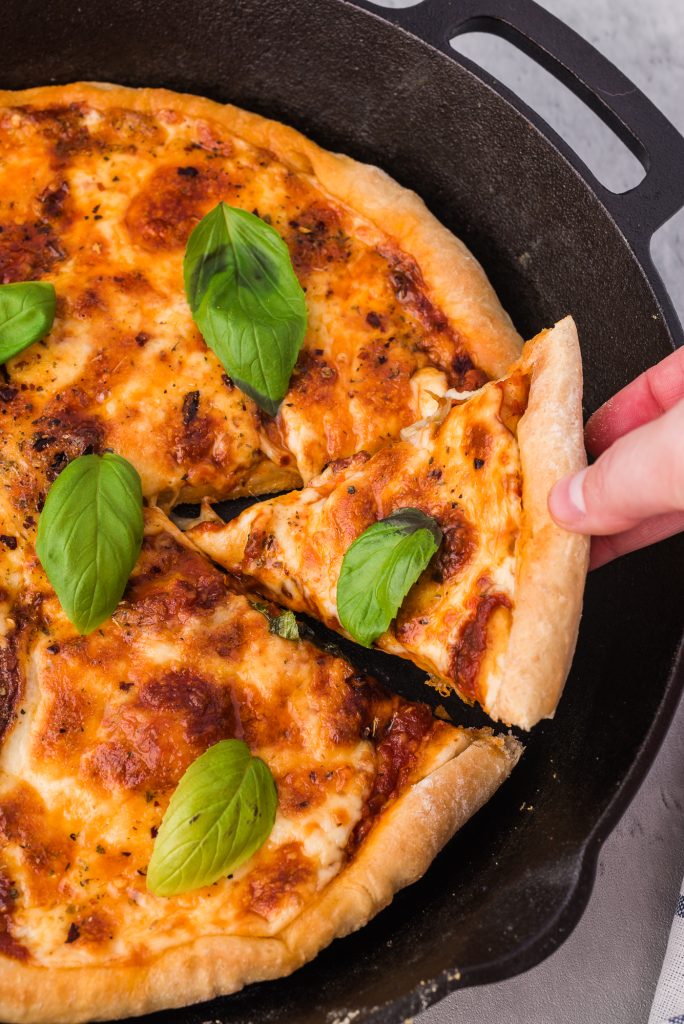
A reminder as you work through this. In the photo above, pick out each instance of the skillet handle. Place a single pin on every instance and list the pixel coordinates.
(575, 62)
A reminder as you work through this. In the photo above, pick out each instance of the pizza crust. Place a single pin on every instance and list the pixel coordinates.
(397, 852)
(454, 277)
(527, 679)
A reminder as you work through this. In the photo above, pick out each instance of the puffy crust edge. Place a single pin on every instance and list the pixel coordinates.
(398, 851)
(527, 680)
(454, 277)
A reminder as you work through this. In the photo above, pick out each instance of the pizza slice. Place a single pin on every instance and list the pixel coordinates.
(99, 730)
(102, 186)
(495, 614)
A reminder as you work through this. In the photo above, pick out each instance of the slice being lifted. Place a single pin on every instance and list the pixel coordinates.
(496, 613)
(100, 729)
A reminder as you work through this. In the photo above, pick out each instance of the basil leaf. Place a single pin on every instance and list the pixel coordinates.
(284, 625)
(221, 813)
(27, 312)
(246, 301)
(89, 536)
(380, 568)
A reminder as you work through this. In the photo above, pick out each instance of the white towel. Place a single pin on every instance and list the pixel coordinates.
(668, 1004)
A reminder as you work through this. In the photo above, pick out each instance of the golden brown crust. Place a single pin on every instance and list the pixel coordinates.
(417, 825)
(526, 683)
(455, 278)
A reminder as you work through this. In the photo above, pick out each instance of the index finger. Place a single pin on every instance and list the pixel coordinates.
(649, 395)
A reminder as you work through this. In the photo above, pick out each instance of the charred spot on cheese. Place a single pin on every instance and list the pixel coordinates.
(28, 251)
(397, 750)
(11, 682)
(304, 789)
(52, 201)
(469, 650)
(62, 435)
(354, 701)
(168, 207)
(26, 824)
(281, 878)
(313, 378)
(62, 126)
(410, 289)
(459, 543)
(206, 711)
(316, 239)
(67, 711)
(147, 742)
(9, 946)
(133, 125)
(95, 928)
(478, 444)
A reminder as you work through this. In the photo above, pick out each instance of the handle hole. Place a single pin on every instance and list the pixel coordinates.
(667, 252)
(607, 157)
(396, 4)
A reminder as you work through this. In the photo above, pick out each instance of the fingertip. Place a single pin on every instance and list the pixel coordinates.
(566, 501)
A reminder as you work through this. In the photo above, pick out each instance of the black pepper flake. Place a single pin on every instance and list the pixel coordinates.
(190, 407)
(188, 172)
(98, 216)
(125, 853)
(478, 463)
(100, 848)
(153, 831)
(125, 686)
(9, 542)
(73, 836)
(142, 338)
(8, 394)
(373, 319)
(351, 490)
(43, 441)
(73, 932)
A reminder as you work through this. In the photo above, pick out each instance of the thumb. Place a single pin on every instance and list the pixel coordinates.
(641, 475)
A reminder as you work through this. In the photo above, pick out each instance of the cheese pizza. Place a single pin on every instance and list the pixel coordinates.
(496, 613)
(101, 729)
(106, 368)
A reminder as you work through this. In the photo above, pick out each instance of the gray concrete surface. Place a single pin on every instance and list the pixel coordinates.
(607, 971)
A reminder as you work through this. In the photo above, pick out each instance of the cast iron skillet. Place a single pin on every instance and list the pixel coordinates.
(511, 886)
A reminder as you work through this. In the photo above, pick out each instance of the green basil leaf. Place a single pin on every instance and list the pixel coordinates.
(246, 301)
(89, 536)
(285, 625)
(380, 568)
(221, 813)
(27, 312)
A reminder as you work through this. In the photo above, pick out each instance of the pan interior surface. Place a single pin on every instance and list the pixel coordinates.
(513, 883)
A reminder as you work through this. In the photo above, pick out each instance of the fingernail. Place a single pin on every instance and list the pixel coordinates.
(566, 500)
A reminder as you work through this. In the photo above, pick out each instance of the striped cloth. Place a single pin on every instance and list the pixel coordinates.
(668, 1005)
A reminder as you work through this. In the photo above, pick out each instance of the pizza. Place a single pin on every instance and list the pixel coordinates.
(102, 729)
(102, 189)
(495, 615)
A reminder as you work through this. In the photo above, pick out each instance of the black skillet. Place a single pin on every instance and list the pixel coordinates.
(387, 88)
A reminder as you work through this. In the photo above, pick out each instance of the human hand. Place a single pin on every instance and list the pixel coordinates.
(633, 495)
